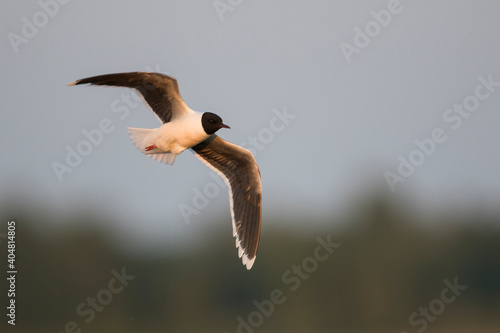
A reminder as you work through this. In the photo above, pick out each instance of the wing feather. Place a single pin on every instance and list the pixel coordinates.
(238, 168)
(159, 91)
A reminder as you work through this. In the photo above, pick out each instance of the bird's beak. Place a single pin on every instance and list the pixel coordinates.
(225, 126)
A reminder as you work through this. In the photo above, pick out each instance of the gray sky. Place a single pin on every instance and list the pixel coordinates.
(351, 115)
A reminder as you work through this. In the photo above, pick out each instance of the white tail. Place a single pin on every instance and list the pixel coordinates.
(167, 158)
(139, 137)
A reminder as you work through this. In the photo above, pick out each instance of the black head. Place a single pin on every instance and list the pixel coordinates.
(212, 123)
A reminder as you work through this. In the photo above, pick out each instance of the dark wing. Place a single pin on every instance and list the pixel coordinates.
(160, 91)
(238, 168)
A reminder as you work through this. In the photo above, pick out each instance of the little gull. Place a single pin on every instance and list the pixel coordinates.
(184, 128)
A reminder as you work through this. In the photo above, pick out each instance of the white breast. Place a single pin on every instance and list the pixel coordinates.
(181, 134)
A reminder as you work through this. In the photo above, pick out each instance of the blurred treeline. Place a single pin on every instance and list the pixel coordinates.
(389, 264)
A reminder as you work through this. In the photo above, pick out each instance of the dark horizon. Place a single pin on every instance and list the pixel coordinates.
(371, 272)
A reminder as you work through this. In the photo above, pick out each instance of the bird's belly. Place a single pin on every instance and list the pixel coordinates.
(175, 140)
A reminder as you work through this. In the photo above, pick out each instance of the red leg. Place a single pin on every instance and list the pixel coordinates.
(150, 147)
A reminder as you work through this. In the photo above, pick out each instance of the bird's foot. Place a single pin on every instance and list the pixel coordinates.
(148, 148)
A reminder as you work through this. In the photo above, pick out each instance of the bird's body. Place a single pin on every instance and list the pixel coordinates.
(181, 134)
(184, 129)
(178, 135)
(170, 138)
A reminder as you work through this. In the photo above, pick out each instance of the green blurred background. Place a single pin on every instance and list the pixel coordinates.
(389, 264)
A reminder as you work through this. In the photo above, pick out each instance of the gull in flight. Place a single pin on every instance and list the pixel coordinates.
(183, 128)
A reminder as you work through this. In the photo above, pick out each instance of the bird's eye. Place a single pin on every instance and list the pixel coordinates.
(212, 121)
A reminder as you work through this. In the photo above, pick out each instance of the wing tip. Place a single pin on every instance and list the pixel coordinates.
(248, 262)
(74, 83)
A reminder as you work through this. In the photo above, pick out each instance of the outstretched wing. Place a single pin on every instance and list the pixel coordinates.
(159, 91)
(238, 168)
